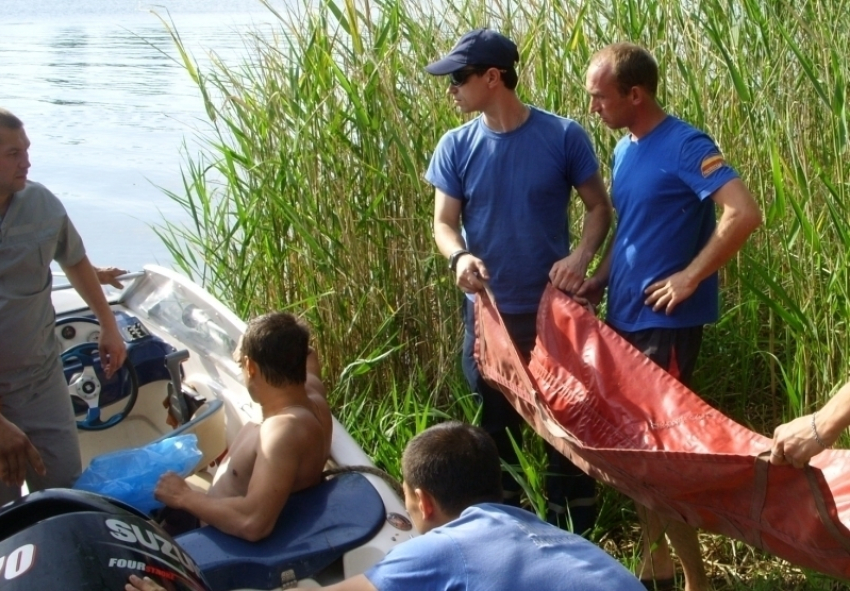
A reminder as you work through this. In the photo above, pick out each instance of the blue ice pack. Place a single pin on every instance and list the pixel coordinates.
(130, 475)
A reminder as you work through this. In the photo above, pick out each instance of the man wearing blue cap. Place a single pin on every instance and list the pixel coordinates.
(503, 182)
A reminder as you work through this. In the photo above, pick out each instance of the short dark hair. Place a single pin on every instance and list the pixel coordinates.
(631, 65)
(456, 463)
(508, 75)
(9, 121)
(278, 342)
(509, 78)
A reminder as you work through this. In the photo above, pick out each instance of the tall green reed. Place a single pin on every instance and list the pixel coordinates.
(309, 192)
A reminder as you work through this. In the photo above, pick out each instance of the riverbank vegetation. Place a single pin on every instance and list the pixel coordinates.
(309, 196)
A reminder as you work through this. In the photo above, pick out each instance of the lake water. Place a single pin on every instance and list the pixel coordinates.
(107, 110)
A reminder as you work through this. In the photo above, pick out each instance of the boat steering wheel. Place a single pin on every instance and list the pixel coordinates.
(91, 390)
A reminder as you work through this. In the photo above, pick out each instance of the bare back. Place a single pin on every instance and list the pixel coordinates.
(293, 445)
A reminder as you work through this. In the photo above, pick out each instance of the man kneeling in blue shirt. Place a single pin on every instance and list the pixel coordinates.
(472, 542)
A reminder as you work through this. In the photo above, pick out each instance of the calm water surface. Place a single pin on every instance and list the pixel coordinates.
(107, 109)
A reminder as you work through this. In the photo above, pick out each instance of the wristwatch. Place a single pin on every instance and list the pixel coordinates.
(455, 257)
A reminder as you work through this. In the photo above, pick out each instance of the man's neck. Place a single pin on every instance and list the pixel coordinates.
(273, 400)
(4, 204)
(647, 121)
(506, 114)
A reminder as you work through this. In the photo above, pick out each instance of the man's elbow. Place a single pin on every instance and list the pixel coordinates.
(255, 529)
(751, 220)
(607, 214)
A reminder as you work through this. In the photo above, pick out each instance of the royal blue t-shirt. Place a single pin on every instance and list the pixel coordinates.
(515, 188)
(661, 189)
(493, 547)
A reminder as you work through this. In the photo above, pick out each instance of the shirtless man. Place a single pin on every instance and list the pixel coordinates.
(283, 454)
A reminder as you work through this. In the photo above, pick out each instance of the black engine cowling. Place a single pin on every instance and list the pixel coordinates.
(87, 542)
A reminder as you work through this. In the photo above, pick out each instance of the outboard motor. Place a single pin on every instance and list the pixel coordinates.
(87, 542)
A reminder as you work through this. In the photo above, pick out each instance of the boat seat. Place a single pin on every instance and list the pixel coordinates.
(208, 426)
(316, 527)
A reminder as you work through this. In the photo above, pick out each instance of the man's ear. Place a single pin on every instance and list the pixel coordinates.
(637, 95)
(250, 367)
(427, 504)
(493, 76)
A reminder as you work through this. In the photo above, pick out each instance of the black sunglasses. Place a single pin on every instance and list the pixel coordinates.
(459, 77)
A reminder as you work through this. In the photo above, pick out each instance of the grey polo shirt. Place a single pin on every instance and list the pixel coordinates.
(34, 232)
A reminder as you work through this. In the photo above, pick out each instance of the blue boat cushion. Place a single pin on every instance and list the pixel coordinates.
(317, 526)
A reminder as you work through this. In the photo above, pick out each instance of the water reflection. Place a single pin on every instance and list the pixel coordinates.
(107, 106)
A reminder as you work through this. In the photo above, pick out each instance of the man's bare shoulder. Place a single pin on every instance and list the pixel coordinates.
(293, 425)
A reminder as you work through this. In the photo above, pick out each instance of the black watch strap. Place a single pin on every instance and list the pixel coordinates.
(455, 257)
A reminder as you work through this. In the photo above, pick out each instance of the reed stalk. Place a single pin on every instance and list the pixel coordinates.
(309, 194)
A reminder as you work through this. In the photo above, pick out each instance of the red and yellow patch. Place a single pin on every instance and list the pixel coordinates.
(711, 164)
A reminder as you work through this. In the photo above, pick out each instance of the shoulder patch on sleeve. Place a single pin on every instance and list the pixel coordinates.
(711, 164)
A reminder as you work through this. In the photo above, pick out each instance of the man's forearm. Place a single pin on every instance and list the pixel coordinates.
(314, 373)
(314, 367)
(232, 515)
(597, 222)
(602, 274)
(597, 218)
(739, 219)
(84, 279)
(448, 239)
(731, 234)
(834, 417)
(447, 213)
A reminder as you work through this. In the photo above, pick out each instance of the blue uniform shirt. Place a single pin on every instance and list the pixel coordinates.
(661, 188)
(514, 189)
(491, 547)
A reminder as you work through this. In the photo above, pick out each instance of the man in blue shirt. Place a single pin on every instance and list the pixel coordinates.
(472, 542)
(661, 268)
(502, 190)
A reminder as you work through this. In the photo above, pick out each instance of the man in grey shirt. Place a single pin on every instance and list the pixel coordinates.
(38, 436)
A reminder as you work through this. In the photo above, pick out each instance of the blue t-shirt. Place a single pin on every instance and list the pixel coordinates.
(494, 547)
(661, 188)
(515, 188)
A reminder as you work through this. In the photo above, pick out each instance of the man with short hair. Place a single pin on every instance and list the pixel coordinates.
(283, 454)
(452, 491)
(661, 267)
(502, 190)
(38, 432)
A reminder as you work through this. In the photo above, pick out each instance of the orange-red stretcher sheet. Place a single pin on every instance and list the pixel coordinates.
(630, 424)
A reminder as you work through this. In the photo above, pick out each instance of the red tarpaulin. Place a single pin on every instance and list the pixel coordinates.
(628, 423)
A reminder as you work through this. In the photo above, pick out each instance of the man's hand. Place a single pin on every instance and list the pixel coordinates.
(111, 346)
(590, 292)
(171, 489)
(669, 293)
(112, 349)
(470, 273)
(16, 451)
(110, 275)
(146, 584)
(794, 443)
(567, 274)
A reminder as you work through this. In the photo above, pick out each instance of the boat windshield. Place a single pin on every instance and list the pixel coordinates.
(182, 314)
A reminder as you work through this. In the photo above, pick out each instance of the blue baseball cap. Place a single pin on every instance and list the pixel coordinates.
(481, 47)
